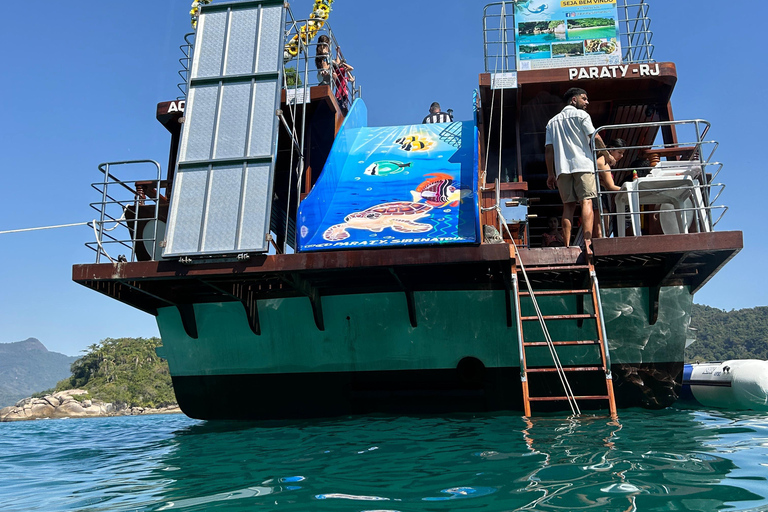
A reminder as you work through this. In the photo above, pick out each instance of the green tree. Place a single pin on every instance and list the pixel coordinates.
(722, 335)
(123, 371)
(291, 78)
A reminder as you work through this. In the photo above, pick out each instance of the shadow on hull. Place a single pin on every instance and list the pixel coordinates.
(467, 389)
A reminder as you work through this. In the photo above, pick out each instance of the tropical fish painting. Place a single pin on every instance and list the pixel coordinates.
(437, 191)
(414, 143)
(386, 167)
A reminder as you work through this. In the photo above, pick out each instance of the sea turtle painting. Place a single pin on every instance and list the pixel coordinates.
(401, 216)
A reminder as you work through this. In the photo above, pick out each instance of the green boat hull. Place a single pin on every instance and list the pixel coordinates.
(462, 355)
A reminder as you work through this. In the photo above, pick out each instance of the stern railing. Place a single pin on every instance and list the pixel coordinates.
(301, 69)
(686, 180)
(129, 214)
(300, 74)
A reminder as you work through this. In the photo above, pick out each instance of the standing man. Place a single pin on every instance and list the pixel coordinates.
(437, 116)
(569, 162)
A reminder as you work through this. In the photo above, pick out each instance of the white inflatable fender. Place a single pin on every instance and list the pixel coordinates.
(737, 384)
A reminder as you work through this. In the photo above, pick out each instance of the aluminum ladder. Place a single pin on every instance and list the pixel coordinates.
(604, 363)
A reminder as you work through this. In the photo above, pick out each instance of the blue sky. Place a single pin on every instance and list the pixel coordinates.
(82, 81)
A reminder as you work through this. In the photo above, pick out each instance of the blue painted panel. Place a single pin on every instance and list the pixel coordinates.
(394, 186)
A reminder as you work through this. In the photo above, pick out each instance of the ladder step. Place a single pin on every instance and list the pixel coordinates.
(557, 292)
(567, 369)
(555, 268)
(560, 343)
(557, 317)
(565, 398)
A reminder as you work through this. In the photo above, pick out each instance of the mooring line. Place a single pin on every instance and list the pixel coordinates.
(43, 227)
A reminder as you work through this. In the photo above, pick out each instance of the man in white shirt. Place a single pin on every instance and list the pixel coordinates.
(569, 161)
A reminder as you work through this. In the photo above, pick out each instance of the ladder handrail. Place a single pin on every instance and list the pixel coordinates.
(601, 319)
(521, 347)
(553, 351)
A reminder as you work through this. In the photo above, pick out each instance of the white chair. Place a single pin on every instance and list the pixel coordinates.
(681, 192)
(691, 168)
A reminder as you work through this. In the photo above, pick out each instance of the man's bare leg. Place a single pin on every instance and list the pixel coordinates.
(568, 210)
(587, 218)
(597, 227)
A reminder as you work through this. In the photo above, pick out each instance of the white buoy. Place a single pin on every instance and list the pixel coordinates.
(739, 384)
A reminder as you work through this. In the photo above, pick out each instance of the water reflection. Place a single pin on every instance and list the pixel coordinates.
(663, 460)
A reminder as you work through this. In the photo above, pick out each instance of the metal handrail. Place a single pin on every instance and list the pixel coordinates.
(704, 183)
(303, 63)
(128, 195)
(186, 62)
(299, 95)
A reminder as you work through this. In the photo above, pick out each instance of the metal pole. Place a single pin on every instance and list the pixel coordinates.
(520, 346)
(103, 207)
(157, 213)
(597, 182)
(503, 38)
(303, 133)
(602, 323)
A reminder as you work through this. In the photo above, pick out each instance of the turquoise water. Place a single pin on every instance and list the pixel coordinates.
(664, 460)
(540, 38)
(573, 35)
(536, 55)
(591, 33)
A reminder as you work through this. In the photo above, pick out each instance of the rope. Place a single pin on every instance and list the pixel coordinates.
(553, 352)
(490, 125)
(558, 365)
(98, 240)
(43, 227)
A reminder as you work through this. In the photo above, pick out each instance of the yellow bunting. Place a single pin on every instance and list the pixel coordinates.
(320, 13)
(195, 12)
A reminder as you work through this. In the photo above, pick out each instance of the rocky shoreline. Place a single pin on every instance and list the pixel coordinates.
(71, 404)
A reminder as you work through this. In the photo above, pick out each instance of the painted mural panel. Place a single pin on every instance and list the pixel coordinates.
(395, 186)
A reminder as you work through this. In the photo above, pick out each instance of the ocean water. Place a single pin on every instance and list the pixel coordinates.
(536, 55)
(591, 33)
(662, 460)
(541, 38)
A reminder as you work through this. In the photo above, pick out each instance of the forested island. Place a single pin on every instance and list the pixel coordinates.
(529, 28)
(121, 376)
(27, 367)
(534, 48)
(590, 23)
(568, 49)
(722, 335)
(124, 371)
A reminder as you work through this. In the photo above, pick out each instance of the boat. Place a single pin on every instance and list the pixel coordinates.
(736, 384)
(301, 263)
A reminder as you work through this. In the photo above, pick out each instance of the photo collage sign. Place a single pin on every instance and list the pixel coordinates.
(566, 33)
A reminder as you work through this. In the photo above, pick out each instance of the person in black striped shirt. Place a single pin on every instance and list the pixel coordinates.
(437, 116)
